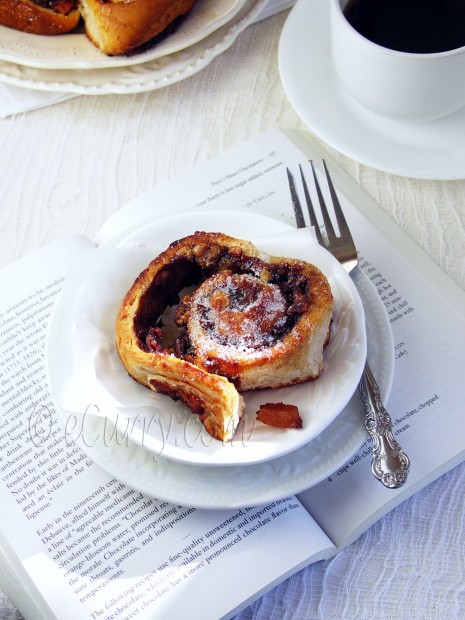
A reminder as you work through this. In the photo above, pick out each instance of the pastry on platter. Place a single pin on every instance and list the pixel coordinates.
(120, 26)
(114, 26)
(213, 316)
(47, 17)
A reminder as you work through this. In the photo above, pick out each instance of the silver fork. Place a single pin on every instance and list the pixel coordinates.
(390, 465)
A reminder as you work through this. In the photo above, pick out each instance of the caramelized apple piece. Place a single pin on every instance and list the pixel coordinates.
(280, 415)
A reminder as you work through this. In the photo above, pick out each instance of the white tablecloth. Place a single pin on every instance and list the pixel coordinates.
(68, 167)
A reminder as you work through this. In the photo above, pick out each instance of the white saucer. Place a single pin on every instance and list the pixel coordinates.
(433, 150)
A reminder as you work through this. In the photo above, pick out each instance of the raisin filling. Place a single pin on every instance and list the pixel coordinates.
(276, 296)
(64, 7)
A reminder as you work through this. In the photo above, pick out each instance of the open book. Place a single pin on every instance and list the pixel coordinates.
(78, 543)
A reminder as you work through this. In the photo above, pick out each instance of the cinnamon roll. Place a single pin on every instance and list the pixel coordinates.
(212, 316)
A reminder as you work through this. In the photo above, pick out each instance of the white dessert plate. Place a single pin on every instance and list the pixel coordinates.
(137, 77)
(74, 51)
(219, 488)
(87, 377)
(428, 150)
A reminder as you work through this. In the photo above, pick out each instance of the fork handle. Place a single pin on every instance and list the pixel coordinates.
(390, 464)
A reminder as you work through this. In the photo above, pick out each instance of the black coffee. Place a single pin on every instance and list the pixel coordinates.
(416, 26)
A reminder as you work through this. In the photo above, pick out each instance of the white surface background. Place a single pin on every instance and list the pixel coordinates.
(66, 168)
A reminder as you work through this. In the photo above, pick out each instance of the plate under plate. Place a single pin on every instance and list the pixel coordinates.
(239, 486)
(74, 50)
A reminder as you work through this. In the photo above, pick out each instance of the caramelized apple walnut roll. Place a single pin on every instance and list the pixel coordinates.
(243, 320)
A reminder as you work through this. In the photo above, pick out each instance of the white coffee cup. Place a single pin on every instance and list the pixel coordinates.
(400, 85)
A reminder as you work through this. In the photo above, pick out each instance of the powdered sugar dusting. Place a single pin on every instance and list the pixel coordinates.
(233, 314)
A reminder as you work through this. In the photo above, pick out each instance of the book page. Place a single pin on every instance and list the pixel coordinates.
(426, 311)
(93, 547)
(425, 401)
(424, 307)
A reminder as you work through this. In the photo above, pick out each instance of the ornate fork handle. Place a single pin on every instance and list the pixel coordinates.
(390, 464)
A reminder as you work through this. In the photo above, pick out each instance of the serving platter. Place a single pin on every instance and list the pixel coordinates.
(74, 50)
(132, 76)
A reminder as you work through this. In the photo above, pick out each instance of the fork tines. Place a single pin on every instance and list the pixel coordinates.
(339, 243)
